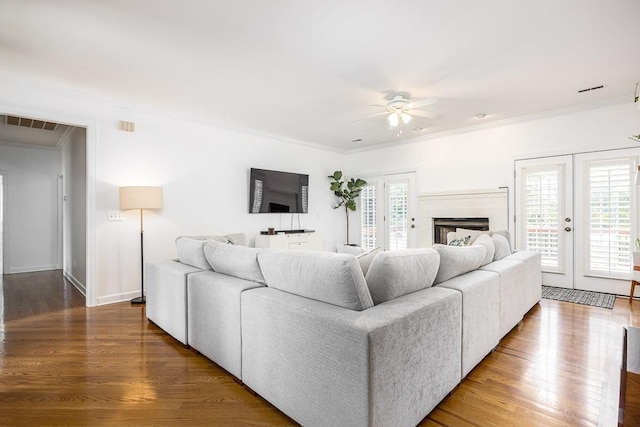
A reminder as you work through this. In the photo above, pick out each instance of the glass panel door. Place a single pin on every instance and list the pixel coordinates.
(544, 211)
(386, 209)
(605, 197)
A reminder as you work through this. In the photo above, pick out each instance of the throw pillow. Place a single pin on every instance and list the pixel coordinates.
(473, 233)
(396, 273)
(323, 276)
(502, 246)
(366, 258)
(233, 260)
(460, 241)
(486, 241)
(457, 260)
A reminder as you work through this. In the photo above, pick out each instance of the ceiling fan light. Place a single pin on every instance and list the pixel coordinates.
(393, 120)
(406, 118)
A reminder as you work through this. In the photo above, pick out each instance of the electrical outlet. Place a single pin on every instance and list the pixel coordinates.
(114, 216)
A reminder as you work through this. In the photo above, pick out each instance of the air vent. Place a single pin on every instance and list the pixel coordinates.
(31, 123)
(590, 89)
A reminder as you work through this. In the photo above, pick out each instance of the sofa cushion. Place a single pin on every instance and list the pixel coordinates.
(191, 248)
(191, 252)
(232, 260)
(323, 276)
(341, 248)
(365, 259)
(486, 241)
(396, 273)
(457, 260)
(502, 246)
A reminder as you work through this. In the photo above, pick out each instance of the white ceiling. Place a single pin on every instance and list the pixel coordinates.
(306, 70)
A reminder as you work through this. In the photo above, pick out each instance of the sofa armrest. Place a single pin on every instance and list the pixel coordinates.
(166, 286)
(326, 365)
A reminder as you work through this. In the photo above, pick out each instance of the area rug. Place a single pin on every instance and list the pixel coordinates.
(595, 299)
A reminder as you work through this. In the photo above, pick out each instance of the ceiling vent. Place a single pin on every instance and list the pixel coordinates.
(590, 89)
(30, 123)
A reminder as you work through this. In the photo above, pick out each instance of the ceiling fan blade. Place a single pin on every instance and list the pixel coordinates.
(423, 102)
(425, 115)
(372, 116)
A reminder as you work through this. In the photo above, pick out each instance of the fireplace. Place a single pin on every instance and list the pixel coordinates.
(442, 226)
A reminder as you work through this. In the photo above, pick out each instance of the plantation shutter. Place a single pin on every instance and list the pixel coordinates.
(398, 211)
(543, 214)
(609, 208)
(368, 209)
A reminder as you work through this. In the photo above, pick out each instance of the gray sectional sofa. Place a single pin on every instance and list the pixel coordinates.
(329, 345)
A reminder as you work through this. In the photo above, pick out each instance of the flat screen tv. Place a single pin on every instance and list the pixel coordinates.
(278, 192)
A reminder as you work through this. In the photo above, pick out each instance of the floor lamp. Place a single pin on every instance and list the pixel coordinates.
(140, 198)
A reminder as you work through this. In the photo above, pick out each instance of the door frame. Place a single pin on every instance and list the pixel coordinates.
(5, 220)
(380, 179)
(623, 287)
(91, 126)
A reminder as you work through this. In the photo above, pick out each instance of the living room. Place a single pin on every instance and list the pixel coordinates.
(202, 160)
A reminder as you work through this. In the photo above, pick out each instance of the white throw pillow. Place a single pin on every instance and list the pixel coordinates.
(232, 260)
(502, 246)
(396, 273)
(486, 241)
(474, 234)
(366, 258)
(457, 260)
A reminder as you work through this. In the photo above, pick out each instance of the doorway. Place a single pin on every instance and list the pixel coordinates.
(387, 212)
(579, 212)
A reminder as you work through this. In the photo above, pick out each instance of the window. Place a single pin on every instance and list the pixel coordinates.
(368, 217)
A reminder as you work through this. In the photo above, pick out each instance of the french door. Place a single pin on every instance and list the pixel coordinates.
(579, 212)
(387, 212)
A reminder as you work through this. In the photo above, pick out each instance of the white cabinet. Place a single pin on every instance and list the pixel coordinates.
(305, 241)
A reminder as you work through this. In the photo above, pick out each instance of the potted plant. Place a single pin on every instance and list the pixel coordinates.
(347, 191)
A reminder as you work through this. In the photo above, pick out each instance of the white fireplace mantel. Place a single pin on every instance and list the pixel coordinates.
(492, 204)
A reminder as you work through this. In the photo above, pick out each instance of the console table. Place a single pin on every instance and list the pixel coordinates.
(305, 241)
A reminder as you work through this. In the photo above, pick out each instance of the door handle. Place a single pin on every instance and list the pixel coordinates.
(567, 229)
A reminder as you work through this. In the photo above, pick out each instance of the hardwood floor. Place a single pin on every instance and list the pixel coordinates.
(64, 364)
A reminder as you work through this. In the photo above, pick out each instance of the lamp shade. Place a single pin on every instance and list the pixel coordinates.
(140, 198)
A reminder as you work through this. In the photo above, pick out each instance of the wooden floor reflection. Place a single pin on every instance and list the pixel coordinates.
(64, 364)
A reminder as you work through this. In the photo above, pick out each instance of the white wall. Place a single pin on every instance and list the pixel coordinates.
(74, 171)
(32, 202)
(203, 169)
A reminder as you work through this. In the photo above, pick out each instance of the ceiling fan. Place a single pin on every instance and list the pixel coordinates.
(400, 109)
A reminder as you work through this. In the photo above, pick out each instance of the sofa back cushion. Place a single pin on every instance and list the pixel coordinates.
(486, 241)
(396, 273)
(323, 276)
(191, 248)
(191, 252)
(232, 260)
(502, 246)
(457, 260)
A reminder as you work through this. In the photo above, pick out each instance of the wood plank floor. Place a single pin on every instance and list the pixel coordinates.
(64, 364)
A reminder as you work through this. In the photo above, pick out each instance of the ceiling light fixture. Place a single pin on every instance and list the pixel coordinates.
(397, 116)
(481, 116)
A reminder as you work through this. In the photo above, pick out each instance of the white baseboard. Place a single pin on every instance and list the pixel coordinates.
(17, 270)
(75, 282)
(113, 298)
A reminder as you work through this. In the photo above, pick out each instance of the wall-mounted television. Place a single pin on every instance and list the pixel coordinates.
(278, 192)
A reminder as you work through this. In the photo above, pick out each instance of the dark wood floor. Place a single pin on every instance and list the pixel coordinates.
(64, 364)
